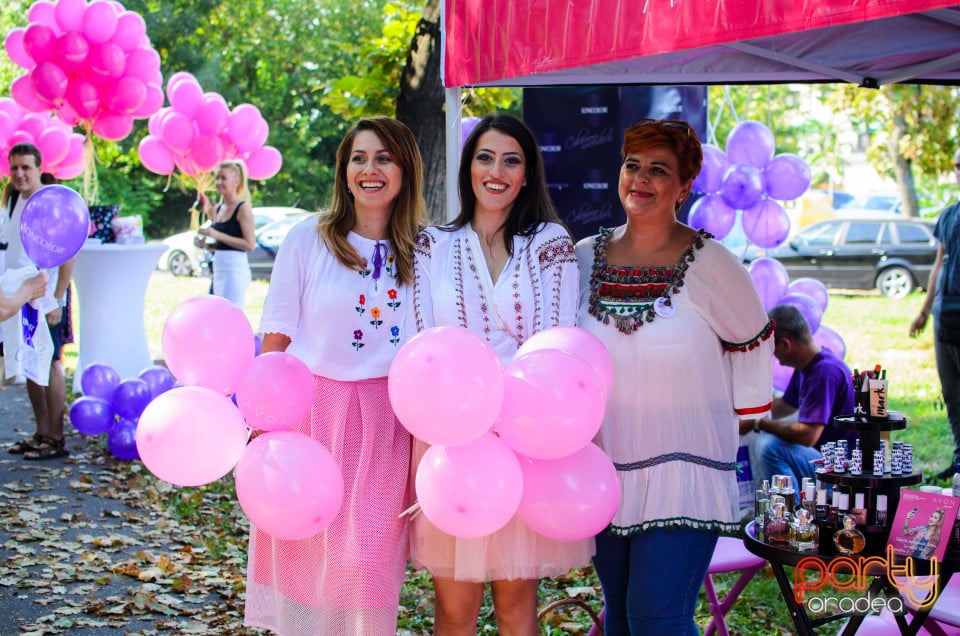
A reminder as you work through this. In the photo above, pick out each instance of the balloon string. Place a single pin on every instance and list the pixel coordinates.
(91, 191)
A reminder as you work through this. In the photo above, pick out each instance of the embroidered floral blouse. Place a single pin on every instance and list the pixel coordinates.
(537, 289)
(345, 324)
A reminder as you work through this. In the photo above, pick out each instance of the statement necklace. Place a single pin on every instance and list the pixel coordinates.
(634, 296)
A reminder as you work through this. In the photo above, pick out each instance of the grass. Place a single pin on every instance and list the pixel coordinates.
(874, 329)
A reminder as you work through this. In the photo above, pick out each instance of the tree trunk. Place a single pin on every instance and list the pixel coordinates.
(420, 106)
(902, 168)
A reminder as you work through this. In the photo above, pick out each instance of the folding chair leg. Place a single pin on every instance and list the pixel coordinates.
(720, 609)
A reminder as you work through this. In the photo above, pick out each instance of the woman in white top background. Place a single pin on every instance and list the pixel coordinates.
(506, 269)
(338, 300)
(233, 230)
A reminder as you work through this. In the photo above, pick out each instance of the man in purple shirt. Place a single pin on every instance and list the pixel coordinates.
(820, 388)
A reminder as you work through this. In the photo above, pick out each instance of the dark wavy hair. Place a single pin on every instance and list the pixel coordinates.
(532, 206)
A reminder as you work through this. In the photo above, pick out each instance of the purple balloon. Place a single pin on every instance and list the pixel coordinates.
(742, 186)
(829, 338)
(766, 224)
(54, 225)
(807, 306)
(781, 375)
(99, 380)
(158, 379)
(771, 279)
(257, 344)
(713, 215)
(131, 397)
(751, 143)
(813, 288)
(715, 164)
(122, 440)
(786, 177)
(91, 415)
(467, 124)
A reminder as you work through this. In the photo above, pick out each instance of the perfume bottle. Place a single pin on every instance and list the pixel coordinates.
(788, 492)
(849, 540)
(804, 535)
(777, 528)
(880, 514)
(809, 502)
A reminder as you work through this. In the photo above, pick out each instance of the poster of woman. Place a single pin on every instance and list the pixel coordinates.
(921, 527)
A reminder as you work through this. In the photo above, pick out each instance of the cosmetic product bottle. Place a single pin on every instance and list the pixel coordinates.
(859, 511)
(849, 540)
(856, 459)
(809, 502)
(822, 510)
(777, 528)
(803, 533)
(880, 514)
(844, 508)
(834, 506)
(788, 492)
(760, 505)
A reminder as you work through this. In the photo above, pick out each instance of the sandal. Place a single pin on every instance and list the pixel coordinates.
(26, 444)
(50, 448)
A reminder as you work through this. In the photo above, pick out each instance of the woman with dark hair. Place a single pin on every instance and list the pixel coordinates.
(505, 268)
(691, 347)
(338, 300)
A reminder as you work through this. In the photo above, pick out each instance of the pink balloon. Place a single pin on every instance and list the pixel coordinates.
(178, 77)
(54, 144)
(49, 81)
(21, 137)
(69, 14)
(289, 485)
(471, 490)
(113, 127)
(185, 97)
(580, 343)
(263, 163)
(152, 101)
(69, 171)
(39, 42)
(770, 278)
(76, 151)
(829, 338)
(106, 62)
(190, 436)
(126, 95)
(466, 380)
(35, 124)
(6, 127)
(187, 165)
(178, 131)
(258, 139)
(13, 45)
(130, 31)
(243, 122)
(43, 13)
(99, 22)
(813, 288)
(22, 91)
(276, 392)
(781, 375)
(569, 498)
(206, 152)
(552, 404)
(155, 155)
(712, 214)
(211, 117)
(207, 341)
(84, 98)
(142, 64)
(72, 51)
(66, 114)
(766, 224)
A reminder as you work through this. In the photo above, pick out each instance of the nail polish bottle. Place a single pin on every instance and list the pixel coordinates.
(822, 510)
(859, 511)
(880, 515)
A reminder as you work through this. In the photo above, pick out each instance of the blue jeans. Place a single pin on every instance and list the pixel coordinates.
(948, 368)
(780, 457)
(651, 580)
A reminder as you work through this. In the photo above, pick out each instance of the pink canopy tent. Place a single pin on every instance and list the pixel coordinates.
(562, 42)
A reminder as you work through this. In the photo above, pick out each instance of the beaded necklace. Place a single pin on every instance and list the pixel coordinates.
(652, 286)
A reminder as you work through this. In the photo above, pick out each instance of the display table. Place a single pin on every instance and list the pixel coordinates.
(880, 584)
(111, 282)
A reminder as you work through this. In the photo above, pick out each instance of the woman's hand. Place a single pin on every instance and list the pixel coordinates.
(35, 286)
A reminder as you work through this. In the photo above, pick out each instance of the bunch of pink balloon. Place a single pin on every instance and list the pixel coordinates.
(198, 131)
(545, 407)
(92, 64)
(749, 178)
(60, 147)
(808, 295)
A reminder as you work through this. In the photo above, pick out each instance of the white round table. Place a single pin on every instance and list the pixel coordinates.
(111, 282)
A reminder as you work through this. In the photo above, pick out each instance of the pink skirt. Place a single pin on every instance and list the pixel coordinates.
(513, 552)
(345, 580)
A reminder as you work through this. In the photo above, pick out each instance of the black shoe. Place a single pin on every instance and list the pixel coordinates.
(946, 473)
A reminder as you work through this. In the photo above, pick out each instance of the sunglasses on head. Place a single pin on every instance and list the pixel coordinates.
(666, 123)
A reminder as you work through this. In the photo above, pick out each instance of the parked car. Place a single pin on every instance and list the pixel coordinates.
(183, 258)
(893, 254)
(872, 205)
(269, 238)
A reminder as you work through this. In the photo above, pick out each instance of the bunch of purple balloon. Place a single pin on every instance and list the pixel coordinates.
(113, 406)
(506, 441)
(198, 131)
(92, 64)
(749, 178)
(808, 295)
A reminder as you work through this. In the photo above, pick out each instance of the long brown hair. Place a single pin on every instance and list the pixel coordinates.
(409, 210)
